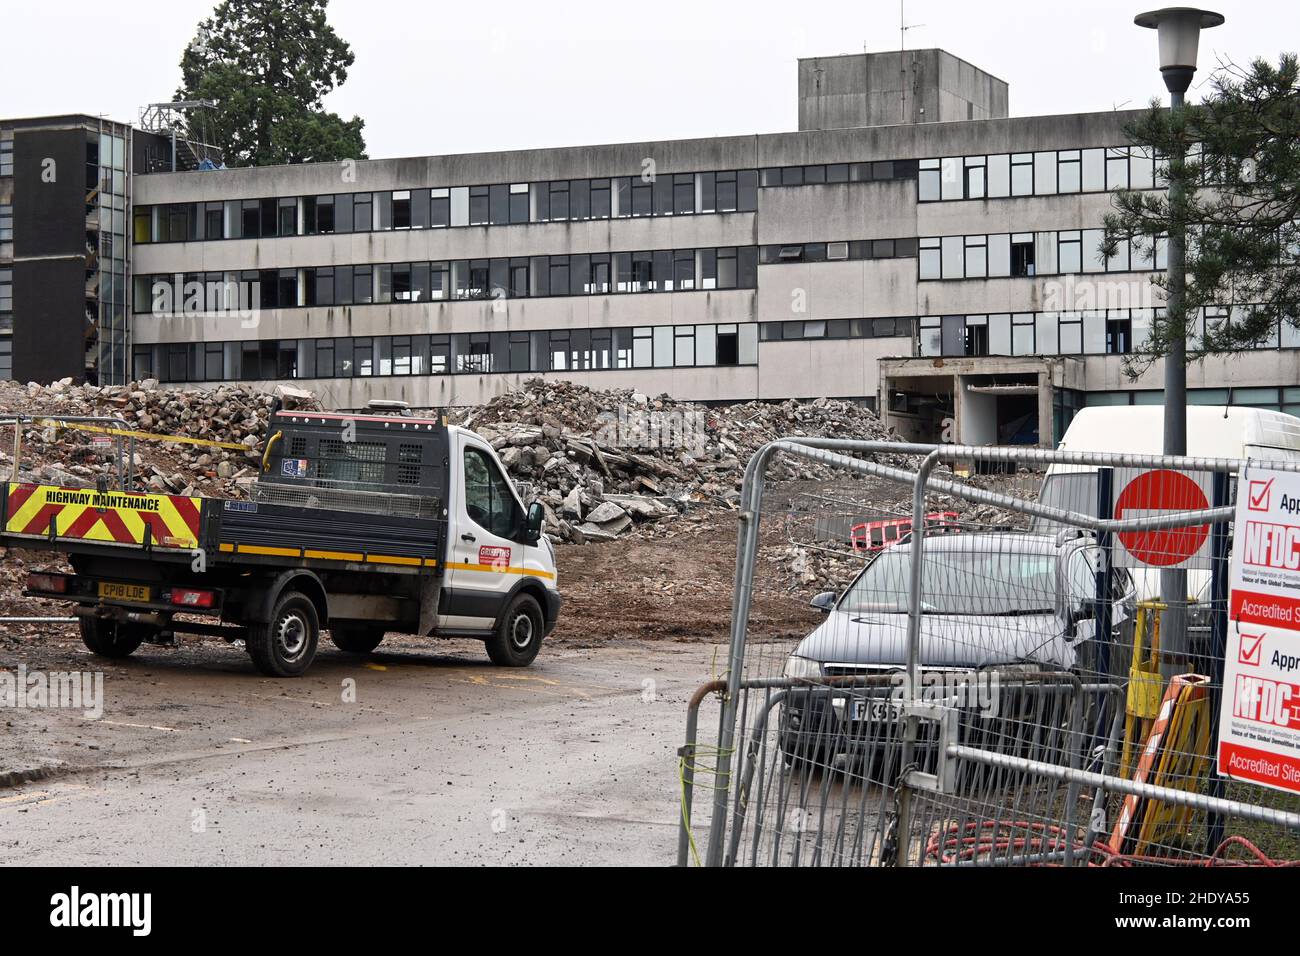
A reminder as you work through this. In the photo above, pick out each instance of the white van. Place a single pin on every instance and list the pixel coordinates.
(1213, 431)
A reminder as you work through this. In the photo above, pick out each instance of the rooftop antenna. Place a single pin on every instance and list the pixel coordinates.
(903, 27)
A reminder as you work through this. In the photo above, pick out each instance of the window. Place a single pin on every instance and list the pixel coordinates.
(975, 181)
(1022, 174)
(287, 217)
(489, 502)
(1022, 254)
(1069, 252)
(976, 257)
(1117, 169)
(928, 181)
(930, 264)
(6, 223)
(362, 212)
(600, 199)
(1068, 170)
(6, 157)
(518, 202)
(683, 194)
(479, 210)
(439, 208)
(401, 211)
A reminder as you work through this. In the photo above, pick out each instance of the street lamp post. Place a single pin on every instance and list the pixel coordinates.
(1179, 30)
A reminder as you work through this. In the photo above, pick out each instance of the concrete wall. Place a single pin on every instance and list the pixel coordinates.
(881, 89)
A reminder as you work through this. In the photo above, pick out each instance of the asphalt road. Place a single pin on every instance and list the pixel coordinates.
(440, 758)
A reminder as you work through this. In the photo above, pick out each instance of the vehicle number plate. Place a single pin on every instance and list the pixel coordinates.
(877, 709)
(123, 592)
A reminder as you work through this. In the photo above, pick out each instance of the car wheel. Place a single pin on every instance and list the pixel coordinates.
(356, 639)
(518, 634)
(110, 638)
(286, 645)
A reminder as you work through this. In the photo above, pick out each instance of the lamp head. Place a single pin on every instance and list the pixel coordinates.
(1179, 29)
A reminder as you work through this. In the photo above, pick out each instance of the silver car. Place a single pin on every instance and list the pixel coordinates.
(1007, 600)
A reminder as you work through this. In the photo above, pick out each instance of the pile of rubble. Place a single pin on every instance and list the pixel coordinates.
(234, 415)
(604, 463)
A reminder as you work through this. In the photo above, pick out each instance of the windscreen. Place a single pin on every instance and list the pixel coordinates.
(999, 580)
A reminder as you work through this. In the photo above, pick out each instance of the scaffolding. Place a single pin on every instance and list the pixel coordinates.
(183, 122)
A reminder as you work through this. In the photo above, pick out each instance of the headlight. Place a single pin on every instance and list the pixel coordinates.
(796, 666)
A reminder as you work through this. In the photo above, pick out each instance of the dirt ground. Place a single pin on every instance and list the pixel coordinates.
(676, 588)
(442, 758)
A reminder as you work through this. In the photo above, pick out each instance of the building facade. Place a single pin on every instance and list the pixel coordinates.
(64, 201)
(945, 269)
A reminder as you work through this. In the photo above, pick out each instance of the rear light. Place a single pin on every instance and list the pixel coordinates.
(189, 597)
(58, 583)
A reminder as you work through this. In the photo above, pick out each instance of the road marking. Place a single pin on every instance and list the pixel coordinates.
(299, 700)
(122, 723)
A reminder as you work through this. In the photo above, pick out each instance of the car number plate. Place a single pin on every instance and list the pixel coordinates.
(877, 709)
(123, 592)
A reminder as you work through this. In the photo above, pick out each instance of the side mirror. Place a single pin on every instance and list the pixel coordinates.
(1084, 610)
(533, 524)
(823, 602)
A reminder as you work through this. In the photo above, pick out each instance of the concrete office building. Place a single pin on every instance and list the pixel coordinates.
(944, 268)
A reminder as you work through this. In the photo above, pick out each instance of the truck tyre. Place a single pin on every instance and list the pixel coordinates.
(518, 634)
(109, 638)
(286, 645)
(356, 638)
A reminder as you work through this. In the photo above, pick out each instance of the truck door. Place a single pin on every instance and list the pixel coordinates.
(485, 557)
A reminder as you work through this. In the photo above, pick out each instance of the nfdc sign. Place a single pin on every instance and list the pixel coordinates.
(1152, 492)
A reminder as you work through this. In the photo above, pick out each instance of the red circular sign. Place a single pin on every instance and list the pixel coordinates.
(1154, 491)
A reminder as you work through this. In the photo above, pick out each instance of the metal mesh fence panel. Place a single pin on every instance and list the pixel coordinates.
(1011, 657)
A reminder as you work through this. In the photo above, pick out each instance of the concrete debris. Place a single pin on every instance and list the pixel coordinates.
(234, 414)
(612, 462)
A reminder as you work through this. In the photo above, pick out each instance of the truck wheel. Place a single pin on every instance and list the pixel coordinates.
(355, 638)
(518, 635)
(286, 646)
(109, 638)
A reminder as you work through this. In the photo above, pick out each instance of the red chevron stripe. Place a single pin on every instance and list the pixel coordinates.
(41, 521)
(18, 495)
(159, 527)
(116, 527)
(188, 512)
(85, 521)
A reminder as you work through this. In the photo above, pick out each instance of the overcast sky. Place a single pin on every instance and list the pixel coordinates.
(465, 77)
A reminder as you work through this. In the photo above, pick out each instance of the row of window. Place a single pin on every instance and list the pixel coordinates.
(1082, 332)
(6, 222)
(819, 173)
(568, 200)
(837, 251)
(466, 353)
(6, 154)
(6, 290)
(1062, 252)
(1046, 173)
(890, 327)
(661, 270)
(1279, 399)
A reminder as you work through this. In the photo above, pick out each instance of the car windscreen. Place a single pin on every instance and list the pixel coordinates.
(1068, 491)
(1003, 578)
